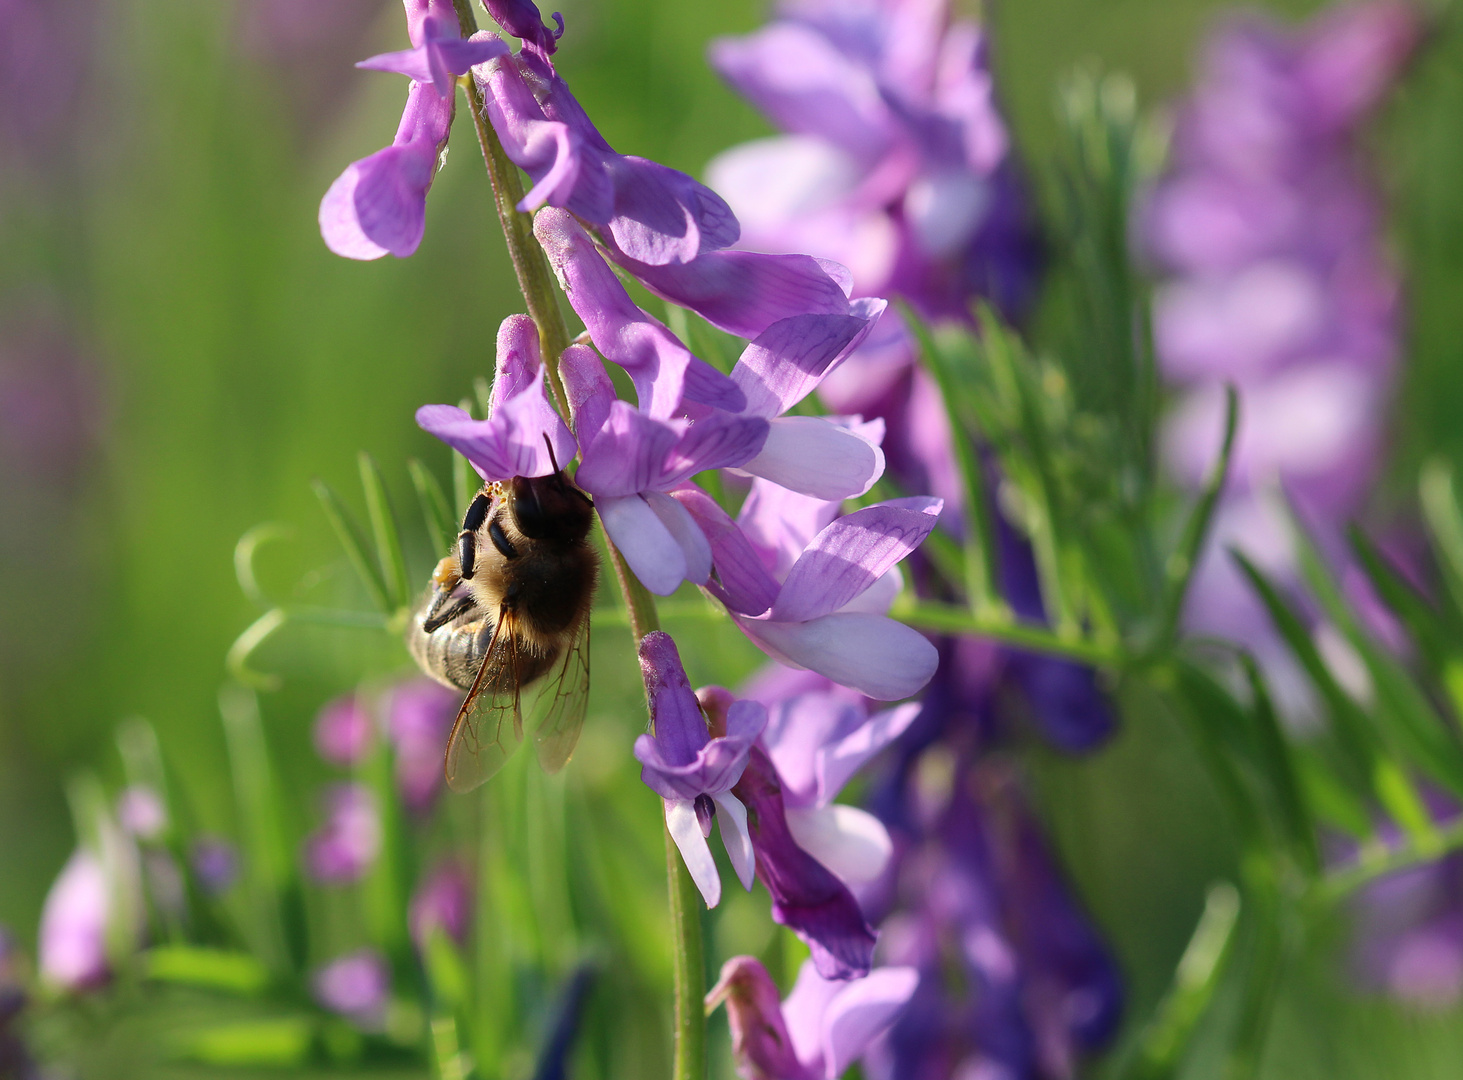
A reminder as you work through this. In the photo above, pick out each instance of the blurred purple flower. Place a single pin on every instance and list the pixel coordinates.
(16, 1062)
(1277, 281)
(419, 718)
(141, 812)
(896, 162)
(819, 1031)
(1409, 934)
(521, 426)
(344, 848)
(73, 936)
(356, 986)
(692, 771)
(215, 863)
(441, 904)
(828, 612)
(344, 731)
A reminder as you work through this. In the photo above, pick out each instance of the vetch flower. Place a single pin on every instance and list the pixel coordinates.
(522, 19)
(441, 904)
(344, 848)
(521, 425)
(344, 731)
(439, 54)
(632, 460)
(819, 1031)
(663, 370)
(419, 715)
(73, 935)
(692, 771)
(828, 614)
(356, 986)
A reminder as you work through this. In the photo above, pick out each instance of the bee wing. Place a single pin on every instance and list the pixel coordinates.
(489, 726)
(562, 703)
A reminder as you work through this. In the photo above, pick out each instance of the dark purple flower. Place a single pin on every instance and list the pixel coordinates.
(215, 863)
(806, 896)
(522, 435)
(356, 986)
(344, 848)
(693, 772)
(442, 904)
(344, 731)
(521, 18)
(419, 715)
(896, 162)
(819, 1031)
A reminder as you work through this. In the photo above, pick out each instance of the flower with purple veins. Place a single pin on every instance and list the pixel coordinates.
(344, 731)
(344, 848)
(632, 460)
(822, 1027)
(379, 204)
(356, 986)
(694, 771)
(828, 613)
(522, 435)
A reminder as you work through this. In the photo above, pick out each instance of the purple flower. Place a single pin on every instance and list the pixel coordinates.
(356, 986)
(379, 204)
(442, 904)
(652, 214)
(632, 461)
(215, 863)
(817, 741)
(521, 18)
(419, 715)
(828, 614)
(344, 848)
(141, 812)
(896, 162)
(806, 896)
(819, 1031)
(521, 426)
(344, 731)
(73, 936)
(692, 771)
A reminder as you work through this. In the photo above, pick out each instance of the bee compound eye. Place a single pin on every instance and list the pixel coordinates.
(529, 512)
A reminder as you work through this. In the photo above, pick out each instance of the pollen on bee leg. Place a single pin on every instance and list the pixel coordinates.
(446, 577)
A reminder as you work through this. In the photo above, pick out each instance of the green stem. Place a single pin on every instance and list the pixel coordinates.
(949, 619)
(535, 278)
(1339, 884)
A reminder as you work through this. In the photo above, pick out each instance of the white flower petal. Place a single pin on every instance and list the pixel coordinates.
(736, 838)
(812, 456)
(872, 654)
(654, 554)
(695, 548)
(851, 842)
(685, 830)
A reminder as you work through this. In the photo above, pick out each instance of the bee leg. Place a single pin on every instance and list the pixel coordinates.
(437, 617)
(472, 521)
(500, 541)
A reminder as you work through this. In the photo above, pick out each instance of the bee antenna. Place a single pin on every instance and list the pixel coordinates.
(553, 460)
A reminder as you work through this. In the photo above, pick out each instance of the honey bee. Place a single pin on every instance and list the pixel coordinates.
(508, 607)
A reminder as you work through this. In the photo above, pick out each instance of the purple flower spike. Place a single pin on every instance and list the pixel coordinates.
(442, 904)
(379, 204)
(344, 732)
(73, 937)
(348, 843)
(440, 56)
(662, 369)
(806, 895)
(649, 213)
(511, 441)
(829, 612)
(522, 19)
(356, 986)
(688, 768)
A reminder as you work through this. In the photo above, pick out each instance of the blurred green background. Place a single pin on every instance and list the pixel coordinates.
(213, 358)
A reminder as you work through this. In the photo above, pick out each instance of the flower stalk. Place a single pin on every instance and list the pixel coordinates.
(536, 281)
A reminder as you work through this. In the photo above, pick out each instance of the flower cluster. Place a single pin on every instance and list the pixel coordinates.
(1276, 281)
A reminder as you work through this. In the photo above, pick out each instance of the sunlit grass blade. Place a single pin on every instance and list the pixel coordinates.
(274, 1042)
(435, 510)
(1185, 557)
(267, 862)
(981, 577)
(203, 968)
(389, 557)
(351, 539)
(1162, 1045)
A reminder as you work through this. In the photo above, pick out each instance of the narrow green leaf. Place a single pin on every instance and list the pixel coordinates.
(1445, 525)
(1276, 757)
(349, 535)
(435, 509)
(385, 532)
(1400, 798)
(388, 883)
(245, 552)
(981, 577)
(209, 969)
(1332, 800)
(1220, 727)
(1185, 558)
(279, 1042)
(1423, 622)
(446, 970)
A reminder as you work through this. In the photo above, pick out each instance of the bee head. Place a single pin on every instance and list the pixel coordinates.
(550, 508)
